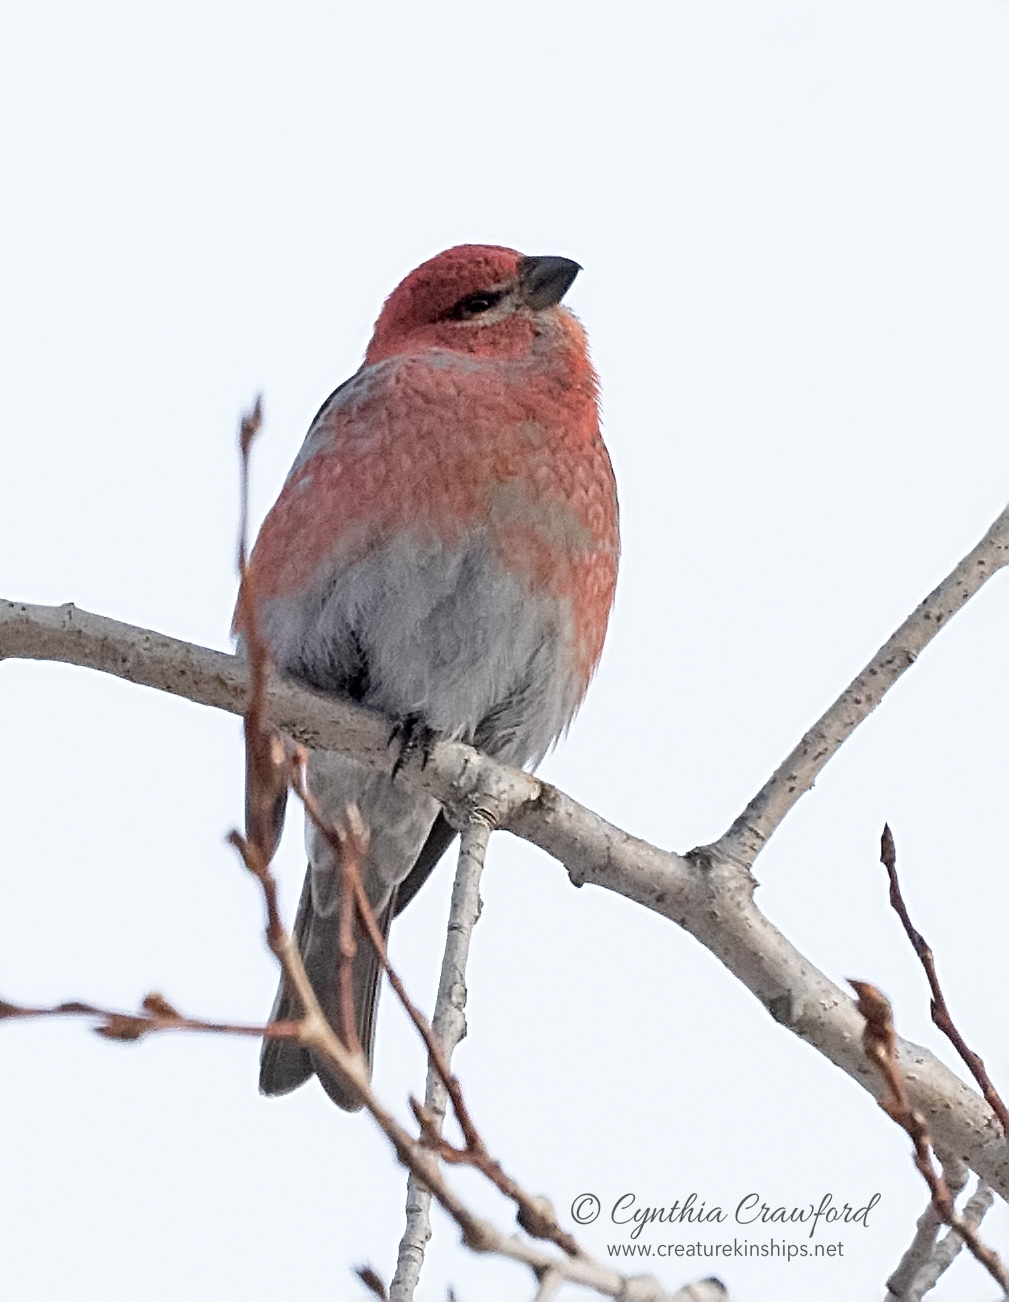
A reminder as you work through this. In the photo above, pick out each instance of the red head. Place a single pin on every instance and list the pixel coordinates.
(476, 298)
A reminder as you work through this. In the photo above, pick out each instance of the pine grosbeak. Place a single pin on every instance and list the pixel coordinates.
(444, 551)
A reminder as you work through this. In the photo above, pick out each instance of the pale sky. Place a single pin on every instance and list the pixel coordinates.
(792, 220)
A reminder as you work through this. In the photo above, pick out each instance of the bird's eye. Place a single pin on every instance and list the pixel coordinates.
(473, 304)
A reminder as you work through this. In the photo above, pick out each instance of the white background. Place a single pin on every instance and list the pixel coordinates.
(792, 218)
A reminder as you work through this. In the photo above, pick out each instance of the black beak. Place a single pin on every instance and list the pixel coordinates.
(543, 282)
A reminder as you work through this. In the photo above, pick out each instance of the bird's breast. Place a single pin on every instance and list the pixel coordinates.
(418, 453)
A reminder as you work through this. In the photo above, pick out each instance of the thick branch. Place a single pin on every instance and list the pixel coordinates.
(76, 637)
(713, 900)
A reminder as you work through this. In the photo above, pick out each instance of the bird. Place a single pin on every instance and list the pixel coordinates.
(444, 550)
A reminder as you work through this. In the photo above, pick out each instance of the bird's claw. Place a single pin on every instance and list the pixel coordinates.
(412, 734)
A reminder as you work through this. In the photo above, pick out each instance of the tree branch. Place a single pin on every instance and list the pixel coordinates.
(708, 892)
(156, 1014)
(751, 830)
(951, 1244)
(69, 635)
(928, 1257)
(449, 1027)
(900, 1285)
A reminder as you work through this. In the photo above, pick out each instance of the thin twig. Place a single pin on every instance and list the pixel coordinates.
(351, 872)
(448, 1027)
(941, 1015)
(925, 1263)
(922, 1247)
(266, 770)
(550, 1282)
(158, 1015)
(950, 1245)
(879, 1041)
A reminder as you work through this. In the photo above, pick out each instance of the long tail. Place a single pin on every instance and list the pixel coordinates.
(285, 1064)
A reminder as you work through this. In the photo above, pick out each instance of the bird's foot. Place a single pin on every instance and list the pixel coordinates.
(412, 734)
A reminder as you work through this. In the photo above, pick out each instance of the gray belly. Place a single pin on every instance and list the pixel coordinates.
(446, 634)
